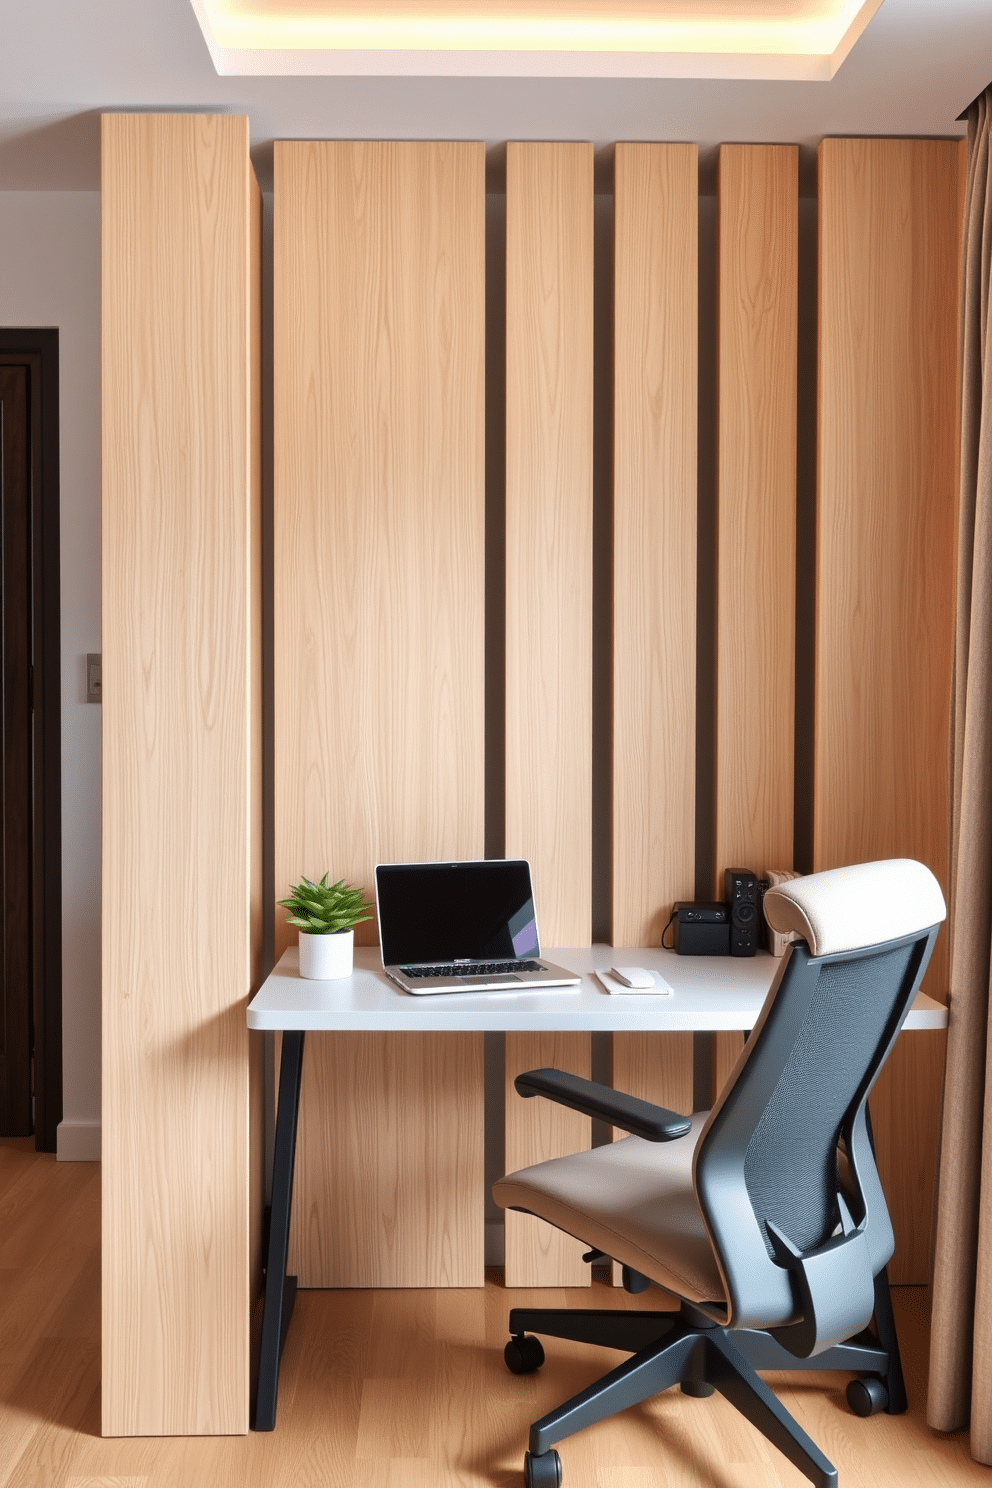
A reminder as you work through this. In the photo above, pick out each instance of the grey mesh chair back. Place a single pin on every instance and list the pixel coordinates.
(784, 1171)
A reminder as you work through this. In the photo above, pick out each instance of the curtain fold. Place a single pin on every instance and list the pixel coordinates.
(961, 1340)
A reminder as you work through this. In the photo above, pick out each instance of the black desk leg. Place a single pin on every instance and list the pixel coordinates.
(280, 1289)
(885, 1325)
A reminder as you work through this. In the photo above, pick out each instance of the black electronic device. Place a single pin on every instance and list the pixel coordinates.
(701, 929)
(743, 907)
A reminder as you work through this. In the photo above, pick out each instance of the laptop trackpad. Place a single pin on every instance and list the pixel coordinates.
(506, 980)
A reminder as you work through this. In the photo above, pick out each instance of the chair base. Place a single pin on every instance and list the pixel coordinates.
(689, 1350)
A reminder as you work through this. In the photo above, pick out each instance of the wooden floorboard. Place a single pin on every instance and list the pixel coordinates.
(396, 1389)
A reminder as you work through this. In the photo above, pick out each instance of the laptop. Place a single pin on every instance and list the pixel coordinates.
(462, 927)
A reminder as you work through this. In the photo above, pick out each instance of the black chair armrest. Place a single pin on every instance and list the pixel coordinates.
(638, 1117)
(834, 1285)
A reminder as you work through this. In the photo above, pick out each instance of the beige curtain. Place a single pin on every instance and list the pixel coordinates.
(961, 1343)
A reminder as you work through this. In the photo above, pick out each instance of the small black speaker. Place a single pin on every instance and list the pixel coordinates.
(741, 893)
(701, 929)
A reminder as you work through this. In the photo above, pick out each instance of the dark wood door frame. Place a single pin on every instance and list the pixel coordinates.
(17, 784)
(38, 350)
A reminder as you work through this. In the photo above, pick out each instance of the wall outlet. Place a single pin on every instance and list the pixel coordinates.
(94, 682)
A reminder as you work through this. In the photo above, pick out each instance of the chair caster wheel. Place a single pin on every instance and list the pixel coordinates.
(543, 1471)
(867, 1396)
(699, 1389)
(523, 1354)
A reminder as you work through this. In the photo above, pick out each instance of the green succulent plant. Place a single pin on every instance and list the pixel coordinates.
(326, 909)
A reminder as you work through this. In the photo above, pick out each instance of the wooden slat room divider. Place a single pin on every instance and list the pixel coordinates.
(654, 560)
(549, 406)
(757, 299)
(379, 651)
(379, 263)
(890, 215)
(182, 1178)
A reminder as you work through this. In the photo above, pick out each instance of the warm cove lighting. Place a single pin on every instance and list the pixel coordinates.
(813, 30)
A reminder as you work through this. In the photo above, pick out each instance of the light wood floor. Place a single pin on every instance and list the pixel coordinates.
(402, 1389)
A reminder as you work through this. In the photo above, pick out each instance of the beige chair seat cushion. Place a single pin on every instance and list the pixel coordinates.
(633, 1200)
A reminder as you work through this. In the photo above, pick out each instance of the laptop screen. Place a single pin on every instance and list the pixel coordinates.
(431, 912)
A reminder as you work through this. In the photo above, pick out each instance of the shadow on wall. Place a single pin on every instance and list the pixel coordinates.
(61, 156)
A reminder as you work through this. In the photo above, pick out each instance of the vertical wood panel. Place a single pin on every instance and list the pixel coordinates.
(549, 462)
(654, 537)
(392, 1163)
(758, 254)
(549, 287)
(256, 1046)
(887, 512)
(379, 261)
(757, 322)
(655, 1067)
(181, 929)
(654, 606)
(536, 1253)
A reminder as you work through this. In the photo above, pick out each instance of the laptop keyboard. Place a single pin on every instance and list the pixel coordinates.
(471, 968)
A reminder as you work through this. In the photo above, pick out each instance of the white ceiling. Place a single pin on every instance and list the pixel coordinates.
(916, 66)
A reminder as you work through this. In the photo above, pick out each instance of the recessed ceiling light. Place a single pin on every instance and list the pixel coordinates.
(693, 38)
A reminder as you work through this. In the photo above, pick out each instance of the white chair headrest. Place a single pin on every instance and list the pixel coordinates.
(844, 909)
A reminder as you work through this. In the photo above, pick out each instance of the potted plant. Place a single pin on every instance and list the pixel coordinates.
(326, 915)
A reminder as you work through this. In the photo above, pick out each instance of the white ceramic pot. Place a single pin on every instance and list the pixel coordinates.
(324, 957)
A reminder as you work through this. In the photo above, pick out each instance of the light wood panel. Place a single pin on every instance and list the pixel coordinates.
(536, 1253)
(654, 576)
(549, 388)
(655, 1067)
(758, 252)
(549, 462)
(379, 264)
(393, 1175)
(256, 1043)
(181, 855)
(654, 536)
(398, 1389)
(886, 553)
(757, 321)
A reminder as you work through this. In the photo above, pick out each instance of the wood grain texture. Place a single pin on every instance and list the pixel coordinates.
(256, 1047)
(549, 464)
(654, 588)
(758, 256)
(181, 929)
(379, 301)
(727, 1045)
(889, 234)
(549, 396)
(536, 1253)
(905, 1114)
(400, 1389)
(656, 1067)
(654, 536)
(394, 1173)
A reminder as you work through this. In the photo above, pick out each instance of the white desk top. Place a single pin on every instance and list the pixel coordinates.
(711, 992)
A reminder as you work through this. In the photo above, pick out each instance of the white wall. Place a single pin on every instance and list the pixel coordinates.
(50, 276)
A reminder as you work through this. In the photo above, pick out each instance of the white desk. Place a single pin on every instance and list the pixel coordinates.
(710, 993)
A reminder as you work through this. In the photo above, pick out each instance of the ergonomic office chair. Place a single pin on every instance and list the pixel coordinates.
(765, 1216)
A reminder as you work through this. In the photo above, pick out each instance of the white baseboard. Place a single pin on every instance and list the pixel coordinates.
(78, 1141)
(494, 1248)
